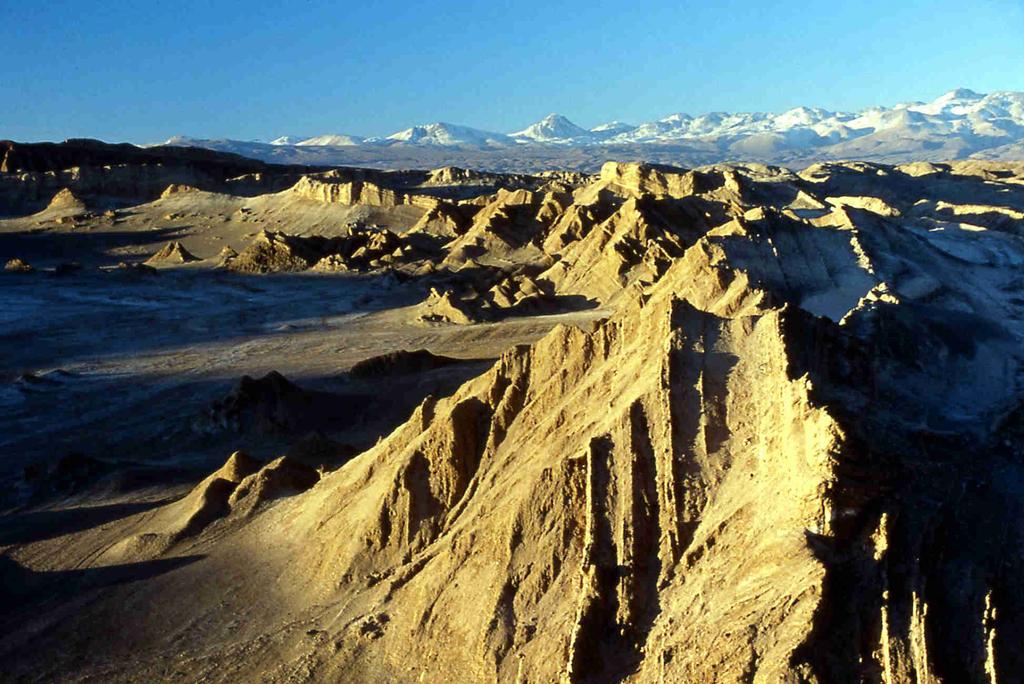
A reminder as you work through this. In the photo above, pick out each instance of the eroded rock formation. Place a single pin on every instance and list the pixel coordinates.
(791, 452)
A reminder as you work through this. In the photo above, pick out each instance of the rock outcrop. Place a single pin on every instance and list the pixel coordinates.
(330, 189)
(66, 200)
(226, 255)
(177, 189)
(272, 252)
(362, 249)
(445, 307)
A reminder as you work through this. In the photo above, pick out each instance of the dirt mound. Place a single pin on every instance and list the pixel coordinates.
(509, 225)
(478, 293)
(172, 253)
(268, 404)
(401, 361)
(332, 263)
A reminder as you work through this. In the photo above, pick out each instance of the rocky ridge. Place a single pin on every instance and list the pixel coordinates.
(745, 456)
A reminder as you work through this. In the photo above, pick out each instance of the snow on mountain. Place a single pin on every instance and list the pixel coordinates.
(556, 129)
(959, 111)
(660, 130)
(182, 141)
(611, 129)
(288, 140)
(957, 124)
(447, 135)
(955, 102)
(331, 140)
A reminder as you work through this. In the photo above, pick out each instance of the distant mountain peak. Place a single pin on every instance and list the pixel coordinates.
(962, 94)
(288, 140)
(331, 140)
(446, 134)
(556, 119)
(612, 127)
(180, 140)
(952, 103)
(553, 128)
(673, 118)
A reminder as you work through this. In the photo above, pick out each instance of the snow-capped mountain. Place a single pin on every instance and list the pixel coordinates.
(446, 134)
(957, 124)
(554, 129)
(330, 140)
(289, 140)
(611, 129)
(957, 112)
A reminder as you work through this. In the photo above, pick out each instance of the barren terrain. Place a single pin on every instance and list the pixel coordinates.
(733, 423)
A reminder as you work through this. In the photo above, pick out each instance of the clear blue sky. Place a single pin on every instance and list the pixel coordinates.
(142, 71)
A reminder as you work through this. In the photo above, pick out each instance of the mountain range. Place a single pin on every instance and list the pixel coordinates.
(959, 124)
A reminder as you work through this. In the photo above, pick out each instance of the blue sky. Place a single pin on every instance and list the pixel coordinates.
(143, 71)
